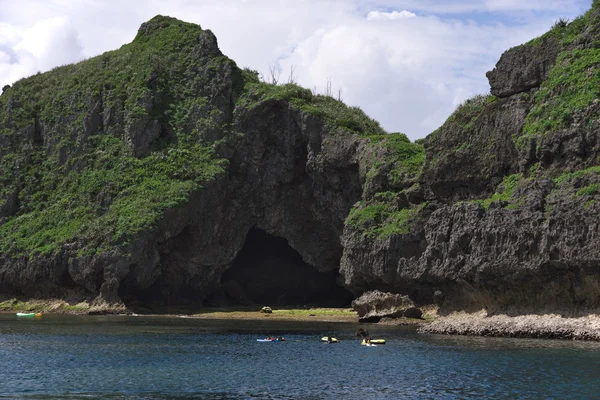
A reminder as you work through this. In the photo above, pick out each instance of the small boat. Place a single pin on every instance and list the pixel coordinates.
(31, 315)
(271, 339)
(373, 342)
(329, 339)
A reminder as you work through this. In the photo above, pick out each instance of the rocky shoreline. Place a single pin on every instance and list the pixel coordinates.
(545, 326)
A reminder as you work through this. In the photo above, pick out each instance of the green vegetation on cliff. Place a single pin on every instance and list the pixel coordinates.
(504, 192)
(406, 158)
(94, 153)
(107, 202)
(400, 160)
(335, 113)
(565, 31)
(468, 155)
(392, 175)
(573, 83)
(570, 176)
(575, 181)
(468, 113)
(382, 218)
(589, 190)
(468, 119)
(73, 140)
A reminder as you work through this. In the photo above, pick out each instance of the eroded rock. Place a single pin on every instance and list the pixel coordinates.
(375, 305)
(524, 67)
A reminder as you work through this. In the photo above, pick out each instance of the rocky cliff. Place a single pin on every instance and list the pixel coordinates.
(161, 173)
(507, 218)
(139, 175)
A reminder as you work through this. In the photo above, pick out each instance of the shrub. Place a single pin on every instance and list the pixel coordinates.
(590, 190)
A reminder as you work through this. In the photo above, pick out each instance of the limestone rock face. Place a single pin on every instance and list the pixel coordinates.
(285, 171)
(286, 176)
(523, 68)
(474, 150)
(8, 206)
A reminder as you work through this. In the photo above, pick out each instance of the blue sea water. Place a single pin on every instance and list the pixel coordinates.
(111, 357)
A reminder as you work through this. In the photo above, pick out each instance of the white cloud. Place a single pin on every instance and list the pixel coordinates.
(40, 47)
(390, 16)
(407, 71)
(52, 42)
(408, 76)
(482, 6)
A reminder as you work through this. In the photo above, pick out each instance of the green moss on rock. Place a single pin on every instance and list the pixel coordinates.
(382, 218)
(504, 193)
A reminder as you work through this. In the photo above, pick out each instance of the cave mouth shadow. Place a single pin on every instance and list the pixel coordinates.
(268, 271)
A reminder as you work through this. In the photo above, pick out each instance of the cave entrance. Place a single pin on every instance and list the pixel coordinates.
(267, 270)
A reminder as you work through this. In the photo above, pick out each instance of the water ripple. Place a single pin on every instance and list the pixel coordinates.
(157, 358)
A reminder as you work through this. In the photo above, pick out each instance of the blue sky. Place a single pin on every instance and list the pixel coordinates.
(407, 63)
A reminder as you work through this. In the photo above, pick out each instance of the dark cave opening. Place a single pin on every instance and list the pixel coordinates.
(267, 270)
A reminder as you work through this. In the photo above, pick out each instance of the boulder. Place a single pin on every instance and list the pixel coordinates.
(375, 305)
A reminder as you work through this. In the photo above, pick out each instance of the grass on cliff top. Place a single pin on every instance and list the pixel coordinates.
(565, 31)
(336, 114)
(572, 86)
(74, 188)
(407, 158)
(445, 144)
(467, 113)
(465, 118)
(401, 160)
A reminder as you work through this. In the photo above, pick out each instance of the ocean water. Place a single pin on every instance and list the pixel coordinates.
(113, 357)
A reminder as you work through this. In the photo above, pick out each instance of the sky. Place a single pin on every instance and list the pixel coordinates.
(406, 63)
